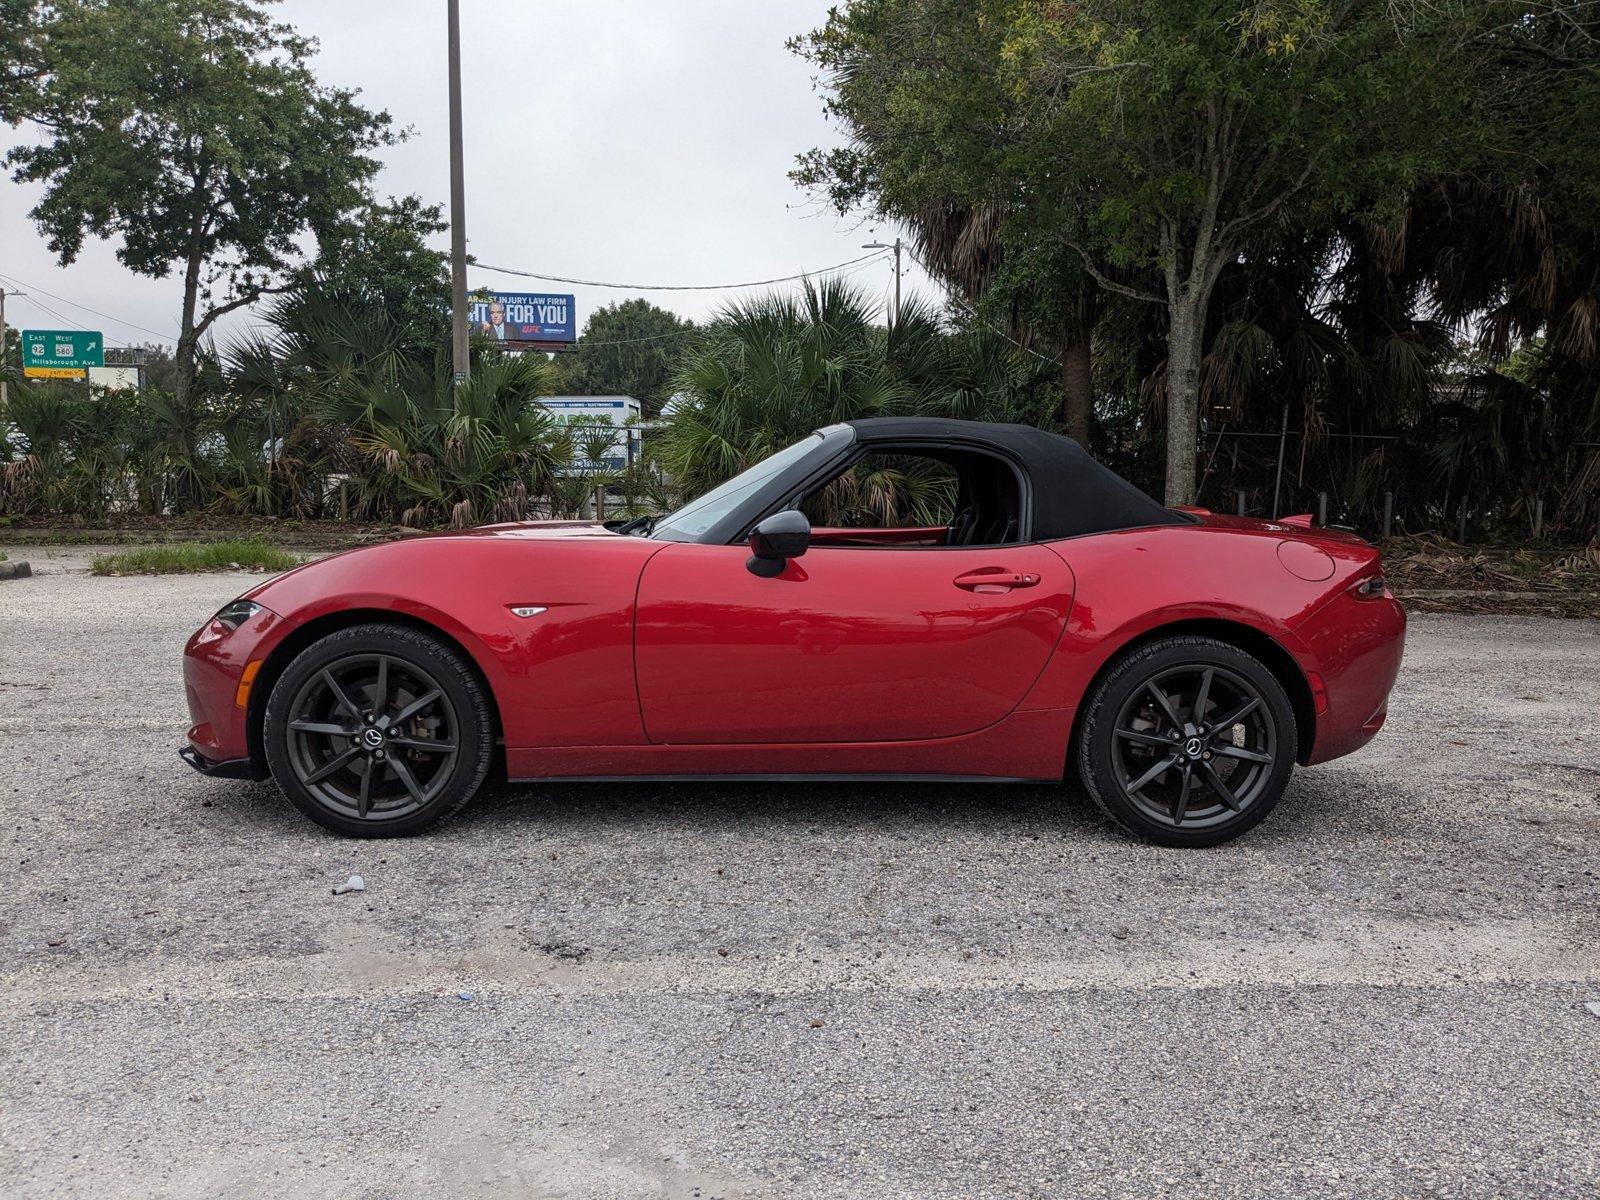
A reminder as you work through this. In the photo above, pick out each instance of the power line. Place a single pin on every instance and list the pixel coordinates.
(654, 337)
(581, 344)
(74, 304)
(972, 314)
(676, 287)
(46, 308)
(859, 263)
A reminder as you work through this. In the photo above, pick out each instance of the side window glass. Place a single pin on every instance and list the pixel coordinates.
(903, 499)
(887, 491)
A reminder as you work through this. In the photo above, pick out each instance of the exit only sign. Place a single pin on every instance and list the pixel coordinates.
(61, 353)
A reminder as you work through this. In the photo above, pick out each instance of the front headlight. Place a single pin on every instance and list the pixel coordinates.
(236, 612)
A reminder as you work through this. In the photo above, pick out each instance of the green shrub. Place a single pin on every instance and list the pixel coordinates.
(191, 557)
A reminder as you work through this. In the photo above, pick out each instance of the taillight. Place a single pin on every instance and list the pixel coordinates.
(1373, 587)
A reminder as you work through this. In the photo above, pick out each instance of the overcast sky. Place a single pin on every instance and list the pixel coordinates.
(642, 141)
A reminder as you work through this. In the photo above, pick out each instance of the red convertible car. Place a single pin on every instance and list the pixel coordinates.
(1058, 620)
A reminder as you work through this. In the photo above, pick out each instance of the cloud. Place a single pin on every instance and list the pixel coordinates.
(642, 141)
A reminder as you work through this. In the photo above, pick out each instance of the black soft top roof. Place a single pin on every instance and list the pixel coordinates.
(1072, 494)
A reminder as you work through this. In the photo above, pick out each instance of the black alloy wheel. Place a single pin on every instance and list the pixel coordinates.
(1188, 741)
(1194, 744)
(378, 730)
(372, 735)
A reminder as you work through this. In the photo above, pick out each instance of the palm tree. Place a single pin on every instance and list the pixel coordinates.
(1047, 300)
(770, 370)
(352, 400)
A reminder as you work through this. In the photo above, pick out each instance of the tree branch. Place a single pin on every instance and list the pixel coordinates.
(1200, 256)
(1112, 285)
(1243, 220)
(250, 296)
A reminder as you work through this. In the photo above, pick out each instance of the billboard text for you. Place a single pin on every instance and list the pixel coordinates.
(524, 317)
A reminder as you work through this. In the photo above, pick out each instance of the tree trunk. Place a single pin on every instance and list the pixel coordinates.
(1077, 384)
(1185, 341)
(183, 439)
(184, 376)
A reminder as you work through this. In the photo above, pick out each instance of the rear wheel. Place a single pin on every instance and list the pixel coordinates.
(1188, 741)
(378, 730)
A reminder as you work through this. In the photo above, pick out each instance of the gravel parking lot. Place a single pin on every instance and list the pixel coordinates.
(795, 991)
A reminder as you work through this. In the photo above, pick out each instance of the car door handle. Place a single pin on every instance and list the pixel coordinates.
(994, 582)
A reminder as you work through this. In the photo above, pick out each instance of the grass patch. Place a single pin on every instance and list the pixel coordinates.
(250, 554)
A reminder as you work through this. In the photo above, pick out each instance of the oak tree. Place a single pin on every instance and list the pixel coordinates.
(194, 133)
(627, 349)
(1153, 139)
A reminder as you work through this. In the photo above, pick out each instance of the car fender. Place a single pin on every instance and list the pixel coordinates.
(1133, 584)
(560, 675)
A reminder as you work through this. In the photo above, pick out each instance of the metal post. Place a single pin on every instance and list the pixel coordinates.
(1277, 483)
(272, 445)
(4, 362)
(1322, 508)
(1388, 514)
(1461, 530)
(1538, 518)
(897, 246)
(458, 215)
(1239, 495)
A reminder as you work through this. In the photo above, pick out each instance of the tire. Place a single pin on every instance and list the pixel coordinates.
(1221, 779)
(420, 757)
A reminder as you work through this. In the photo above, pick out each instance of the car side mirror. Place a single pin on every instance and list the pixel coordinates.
(776, 540)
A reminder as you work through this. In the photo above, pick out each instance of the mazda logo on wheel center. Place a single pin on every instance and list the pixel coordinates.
(372, 738)
(1193, 747)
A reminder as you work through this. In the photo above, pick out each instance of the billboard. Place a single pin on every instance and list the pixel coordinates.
(117, 375)
(588, 415)
(61, 353)
(524, 317)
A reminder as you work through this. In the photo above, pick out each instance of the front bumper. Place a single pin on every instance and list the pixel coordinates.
(215, 665)
(232, 768)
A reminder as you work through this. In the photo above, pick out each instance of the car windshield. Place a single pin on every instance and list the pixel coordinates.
(693, 519)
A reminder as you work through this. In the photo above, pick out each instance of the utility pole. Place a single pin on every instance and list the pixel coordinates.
(897, 280)
(4, 361)
(458, 215)
(897, 248)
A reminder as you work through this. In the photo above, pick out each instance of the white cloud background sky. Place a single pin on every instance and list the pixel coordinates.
(634, 140)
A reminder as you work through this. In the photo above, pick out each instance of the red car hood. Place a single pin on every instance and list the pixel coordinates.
(519, 530)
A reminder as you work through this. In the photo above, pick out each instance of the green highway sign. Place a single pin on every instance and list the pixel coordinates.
(61, 353)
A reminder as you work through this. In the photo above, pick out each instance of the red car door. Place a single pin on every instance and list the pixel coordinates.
(846, 645)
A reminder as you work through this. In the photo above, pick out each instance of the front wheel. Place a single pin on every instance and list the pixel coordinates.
(1187, 741)
(378, 730)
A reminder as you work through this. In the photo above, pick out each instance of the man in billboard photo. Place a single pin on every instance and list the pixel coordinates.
(495, 326)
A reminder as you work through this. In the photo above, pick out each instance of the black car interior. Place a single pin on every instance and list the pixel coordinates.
(988, 501)
(981, 503)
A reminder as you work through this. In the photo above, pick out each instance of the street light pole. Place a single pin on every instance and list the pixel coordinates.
(4, 361)
(897, 247)
(458, 214)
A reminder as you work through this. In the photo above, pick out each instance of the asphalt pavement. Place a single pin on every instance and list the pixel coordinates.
(740, 991)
